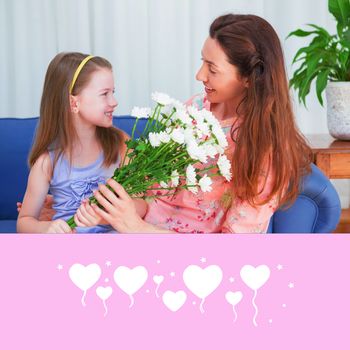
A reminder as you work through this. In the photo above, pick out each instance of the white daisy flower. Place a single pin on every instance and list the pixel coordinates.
(210, 118)
(189, 134)
(183, 116)
(164, 137)
(163, 184)
(203, 128)
(210, 150)
(141, 112)
(178, 136)
(154, 139)
(191, 175)
(191, 179)
(161, 98)
(220, 135)
(205, 183)
(175, 178)
(195, 113)
(178, 105)
(225, 167)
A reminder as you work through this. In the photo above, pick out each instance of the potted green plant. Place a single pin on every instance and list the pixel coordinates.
(327, 60)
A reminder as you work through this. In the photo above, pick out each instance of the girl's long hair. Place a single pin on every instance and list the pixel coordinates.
(267, 137)
(55, 129)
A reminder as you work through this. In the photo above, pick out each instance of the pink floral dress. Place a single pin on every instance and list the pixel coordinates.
(215, 211)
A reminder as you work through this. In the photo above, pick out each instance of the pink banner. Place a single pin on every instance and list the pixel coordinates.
(174, 292)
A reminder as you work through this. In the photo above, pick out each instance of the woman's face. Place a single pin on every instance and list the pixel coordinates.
(221, 79)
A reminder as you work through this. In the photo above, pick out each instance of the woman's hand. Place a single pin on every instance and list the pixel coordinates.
(120, 209)
(86, 216)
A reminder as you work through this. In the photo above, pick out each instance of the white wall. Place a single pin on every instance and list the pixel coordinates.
(153, 44)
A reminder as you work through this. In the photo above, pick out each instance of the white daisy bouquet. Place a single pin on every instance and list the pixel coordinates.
(180, 147)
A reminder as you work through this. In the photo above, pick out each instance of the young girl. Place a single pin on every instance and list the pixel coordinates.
(76, 146)
(247, 90)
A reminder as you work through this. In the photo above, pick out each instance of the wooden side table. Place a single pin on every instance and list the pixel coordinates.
(330, 155)
(333, 158)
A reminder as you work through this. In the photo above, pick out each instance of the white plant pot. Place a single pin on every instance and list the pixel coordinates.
(338, 109)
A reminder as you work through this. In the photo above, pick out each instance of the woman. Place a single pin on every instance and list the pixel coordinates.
(247, 90)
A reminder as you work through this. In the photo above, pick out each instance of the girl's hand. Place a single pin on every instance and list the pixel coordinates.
(86, 216)
(58, 226)
(120, 210)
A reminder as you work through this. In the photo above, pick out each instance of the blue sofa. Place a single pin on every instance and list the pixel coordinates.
(317, 208)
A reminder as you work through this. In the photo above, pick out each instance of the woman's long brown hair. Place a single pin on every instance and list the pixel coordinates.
(55, 129)
(267, 136)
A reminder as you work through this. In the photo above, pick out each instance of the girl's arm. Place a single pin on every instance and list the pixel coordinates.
(37, 188)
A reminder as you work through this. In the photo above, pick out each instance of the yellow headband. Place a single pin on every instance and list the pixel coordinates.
(76, 74)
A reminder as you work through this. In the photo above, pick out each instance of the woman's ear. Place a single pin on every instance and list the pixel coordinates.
(74, 104)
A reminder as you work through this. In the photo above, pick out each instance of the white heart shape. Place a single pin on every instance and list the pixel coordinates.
(174, 300)
(104, 292)
(130, 280)
(158, 279)
(84, 277)
(202, 282)
(233, 298)
(255, 277)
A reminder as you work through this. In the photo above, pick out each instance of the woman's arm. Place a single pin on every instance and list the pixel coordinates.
(121, 212)
(37, 188)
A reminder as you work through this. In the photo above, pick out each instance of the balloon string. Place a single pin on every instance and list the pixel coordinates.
(234, 311)
(104, 304)
(83, 298)
(255, 307)
(132, 301)
(157, 295)
(201, 306)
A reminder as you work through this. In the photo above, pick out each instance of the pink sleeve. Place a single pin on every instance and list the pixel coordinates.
(242, 217)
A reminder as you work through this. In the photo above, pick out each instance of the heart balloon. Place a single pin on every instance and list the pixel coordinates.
(104, 292)
(233, 298)
(130, 280)
(255, 277)
(174, 300)
(84, 277)
(202, 282)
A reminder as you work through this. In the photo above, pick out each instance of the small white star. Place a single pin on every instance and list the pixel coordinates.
(270, 320)
(108, 263)
(147, 290)
(203, 260)
(193, 303)
(172, 274)
(279, 267)
(106, 280)
(231, 279)
(59, 267)
(158, 261)
(284, 305)
(291, 285)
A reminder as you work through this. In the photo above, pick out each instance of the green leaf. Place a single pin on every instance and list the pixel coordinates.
(340, 9)
(320, 30)
(300, 33)
(321, 83)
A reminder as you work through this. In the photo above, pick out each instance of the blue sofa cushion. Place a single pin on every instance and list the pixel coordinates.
(16, 136)
(317, 208)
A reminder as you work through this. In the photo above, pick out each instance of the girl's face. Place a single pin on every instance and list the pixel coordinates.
(96, 102)
(221, 79)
